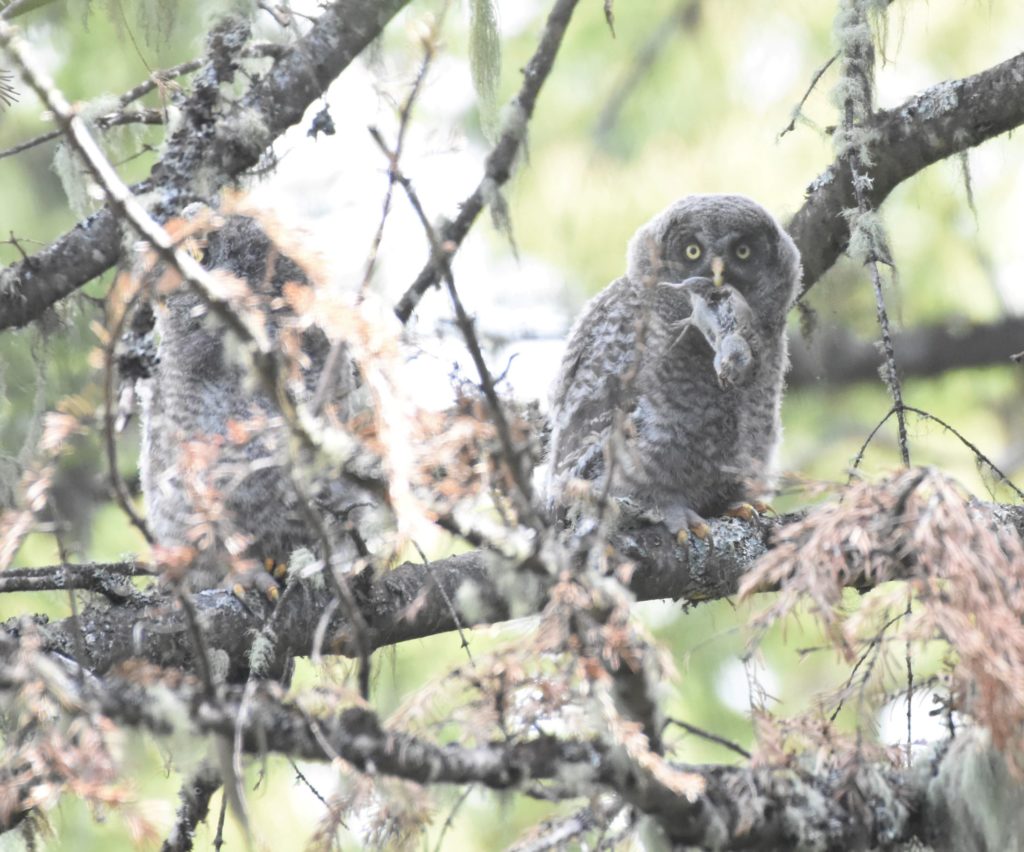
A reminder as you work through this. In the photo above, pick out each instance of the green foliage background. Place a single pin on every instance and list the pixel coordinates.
(705, 117)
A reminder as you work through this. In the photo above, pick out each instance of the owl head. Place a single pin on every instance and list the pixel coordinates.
(254, 272)
(727, 238)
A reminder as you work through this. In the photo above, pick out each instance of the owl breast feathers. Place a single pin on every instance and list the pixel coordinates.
(670, 389)
(215, 460)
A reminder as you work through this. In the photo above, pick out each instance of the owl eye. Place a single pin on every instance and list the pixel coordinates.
(693, 251)
(742, 251)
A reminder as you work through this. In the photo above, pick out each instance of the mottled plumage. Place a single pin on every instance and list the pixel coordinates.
(215, 452)
(687, 354)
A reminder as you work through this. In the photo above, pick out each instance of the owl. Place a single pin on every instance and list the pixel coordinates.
(670, 388)
(215, 462)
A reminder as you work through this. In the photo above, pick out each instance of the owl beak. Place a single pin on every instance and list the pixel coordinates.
(717, 270)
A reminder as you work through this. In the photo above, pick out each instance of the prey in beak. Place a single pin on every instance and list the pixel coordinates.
(717, 270)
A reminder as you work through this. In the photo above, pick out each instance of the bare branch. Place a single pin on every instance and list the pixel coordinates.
(498, 168)
(858, 70)
(224, 149)
(716, 805)
(943, 120)
(839, 358)
(108, 578)
(412, 600)
(195, 795)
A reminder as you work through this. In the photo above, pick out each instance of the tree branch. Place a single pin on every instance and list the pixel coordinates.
(838, 357)
(943, 120)
(195, 795)
(706, 806)
(412, 601)
(216, 145)
(498, 167)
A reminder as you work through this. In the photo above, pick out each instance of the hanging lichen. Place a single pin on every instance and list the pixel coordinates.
(485, 60)
(74, 179)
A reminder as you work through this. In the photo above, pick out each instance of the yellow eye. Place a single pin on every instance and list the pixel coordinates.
(693, 251)
(742, 251)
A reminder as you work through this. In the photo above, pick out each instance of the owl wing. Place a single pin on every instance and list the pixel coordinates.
(601, 349)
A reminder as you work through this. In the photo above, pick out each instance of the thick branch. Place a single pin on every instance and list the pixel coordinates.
(413, 600)
(409, 602)
(214, 146)
(943, 120)
(837, 357)
(708, 806)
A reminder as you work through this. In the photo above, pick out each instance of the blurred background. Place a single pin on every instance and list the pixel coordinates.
(686, 97)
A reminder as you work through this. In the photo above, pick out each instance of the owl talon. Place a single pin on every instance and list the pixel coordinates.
(277, 570)
(743, 511)
(701, 530)
(267, 581)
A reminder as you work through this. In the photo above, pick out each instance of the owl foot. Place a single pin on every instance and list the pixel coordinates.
(267, 582)
(701, 530)
(748, 511)
(744, 511)
(683, 521)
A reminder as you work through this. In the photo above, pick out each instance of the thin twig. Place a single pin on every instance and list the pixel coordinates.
(870, 656)
(498, 166)
(707, 735)
(87, 575)
(405, 113)
(109, 415)
(118, 117)
(451, 816)
(979, 455)
(684, 17)
(513, 454)
(448, 602)
(218, 839)
(797, 110)
(857, 459)
(308, 783)
(860, 68)
(201, 654)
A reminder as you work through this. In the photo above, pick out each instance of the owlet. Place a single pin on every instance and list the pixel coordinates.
(216, 461)
(670, 388)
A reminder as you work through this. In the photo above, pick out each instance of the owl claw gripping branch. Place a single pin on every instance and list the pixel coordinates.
(684, 423)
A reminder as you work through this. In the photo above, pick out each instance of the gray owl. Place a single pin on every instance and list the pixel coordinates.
(215, 455)
(670, 388)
